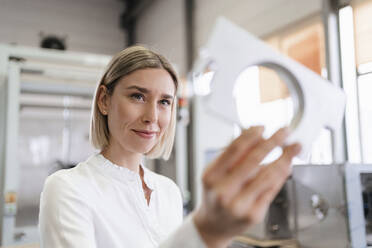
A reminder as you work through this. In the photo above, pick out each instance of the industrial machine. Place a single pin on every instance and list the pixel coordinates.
(319, 206)
(44, 126)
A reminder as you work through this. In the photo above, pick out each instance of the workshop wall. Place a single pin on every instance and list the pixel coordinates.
(163, 23)
(258, 17)
(162, 27)
(90, 25)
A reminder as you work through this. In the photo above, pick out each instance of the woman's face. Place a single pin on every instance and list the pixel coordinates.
(139, 110)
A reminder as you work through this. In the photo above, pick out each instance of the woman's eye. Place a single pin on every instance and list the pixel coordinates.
(165, 102)
(137, 96)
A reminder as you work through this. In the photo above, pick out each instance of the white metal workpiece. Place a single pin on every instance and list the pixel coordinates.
(57, 67)
(231, 49)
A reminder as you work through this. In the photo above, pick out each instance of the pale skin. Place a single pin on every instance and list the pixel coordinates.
(141, 102)
(236, 190)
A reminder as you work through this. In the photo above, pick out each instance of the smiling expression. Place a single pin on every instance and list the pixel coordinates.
(139, 109)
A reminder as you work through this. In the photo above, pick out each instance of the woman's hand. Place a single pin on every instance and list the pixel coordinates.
(237, 191)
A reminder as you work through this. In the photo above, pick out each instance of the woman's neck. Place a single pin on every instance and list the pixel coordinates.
(123, 158)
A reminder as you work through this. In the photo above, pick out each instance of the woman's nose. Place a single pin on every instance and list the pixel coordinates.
(150, 114)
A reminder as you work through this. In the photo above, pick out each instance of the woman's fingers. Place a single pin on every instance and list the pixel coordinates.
(232, 155)
(248, 166)
(260, 191)
(259, 152)
(282, 166)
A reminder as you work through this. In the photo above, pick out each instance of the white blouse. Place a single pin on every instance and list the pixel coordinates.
(98, 204)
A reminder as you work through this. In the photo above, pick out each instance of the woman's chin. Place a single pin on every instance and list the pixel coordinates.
(139, 147)
(143, 149)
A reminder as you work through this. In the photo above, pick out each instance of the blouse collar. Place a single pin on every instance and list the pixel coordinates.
(121, 173)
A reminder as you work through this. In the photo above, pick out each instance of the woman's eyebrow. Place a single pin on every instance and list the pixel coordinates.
(144, 90)
(166, 96)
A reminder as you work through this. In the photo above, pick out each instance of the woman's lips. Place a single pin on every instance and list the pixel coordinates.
(145, 134)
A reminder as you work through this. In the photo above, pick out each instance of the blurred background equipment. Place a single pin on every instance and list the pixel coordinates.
(53, 42)
(48, 100)
(311, 212)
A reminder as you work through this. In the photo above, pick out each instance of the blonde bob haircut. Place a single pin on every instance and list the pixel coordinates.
(125, 62)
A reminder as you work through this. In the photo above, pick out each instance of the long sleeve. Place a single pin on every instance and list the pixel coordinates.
(64, 220)
(186, 236)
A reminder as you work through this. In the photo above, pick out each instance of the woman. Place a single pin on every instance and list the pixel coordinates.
(111, 200)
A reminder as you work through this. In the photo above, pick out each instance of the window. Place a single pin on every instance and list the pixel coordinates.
(274, 108)
(362, 12)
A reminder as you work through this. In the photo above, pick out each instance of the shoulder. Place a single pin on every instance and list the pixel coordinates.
(59, 185)
(65, 177)
(56, 181)
(76, 180)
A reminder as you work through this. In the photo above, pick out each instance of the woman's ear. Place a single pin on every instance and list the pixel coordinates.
(103, 99)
